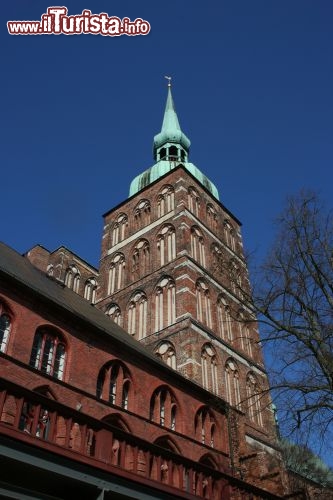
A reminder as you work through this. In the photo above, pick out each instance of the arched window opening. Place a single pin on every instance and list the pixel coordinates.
(173, 153)
(209, 369)
(193, 201)
(232, 384)
(165, 303)
(5, 326)
(140, 259)
(119, 229)
(137, 316)
(90, 289)
(198, 246)
(114, 313)
(203, 303)
(142, 214)
(162, 153)
(248, 340)
(48, 352)
(165, 201)
(205, 427)
(163, 408)
(217, 261)
(166, 352)
(72, 278)
(113, 384)
(211, 217)
(116, 273)
(166, 244)
(229, 234)
(253, 400)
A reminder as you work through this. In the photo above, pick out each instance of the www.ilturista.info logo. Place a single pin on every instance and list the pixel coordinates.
(57, 22)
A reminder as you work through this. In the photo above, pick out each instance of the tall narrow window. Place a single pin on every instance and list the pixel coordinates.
(222, 318)
(203, 303)
(113, 384)
(167, 353)
(253, 400)
(232, 383)
(193, 201)
(229, 234)
(165, 201)
(48, 352)
(198, 246)
(205, 425)
(142, 214)
(163, 408)
(211, 217)
(119, 229)
(72, 278)
(217, 261)
(90, 289)
(5, 324)
(114, 313)
(165, 304)
(209, 369)
(140, 259)
(116, 273)
(166, 244)
(137, 316)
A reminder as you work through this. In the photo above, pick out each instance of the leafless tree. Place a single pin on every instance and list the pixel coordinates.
(292, 297)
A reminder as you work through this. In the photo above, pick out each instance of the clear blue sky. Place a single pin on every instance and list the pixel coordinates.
(252, 83)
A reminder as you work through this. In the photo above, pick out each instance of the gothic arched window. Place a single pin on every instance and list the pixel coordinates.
(140, 259)
(253, 399)
(90, 288)
(211, 217)
(48, 352)
(165, 201)
(229, 234)
(113, 384)
(205, 426)
(119, 229)
(163, 408)
(72, 278)
(166, 352)
(137, 316)
(232, 383)
(114, 313)
(203, 303)
(165, 303)
(198, 246)
(209, 368)
(193, 201)
(166, 244)
(142, 214)
(116, 273)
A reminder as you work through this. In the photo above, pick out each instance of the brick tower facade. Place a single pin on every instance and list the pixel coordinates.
(171, 367)
(164, 278)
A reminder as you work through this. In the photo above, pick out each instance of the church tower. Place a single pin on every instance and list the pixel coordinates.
(172, 274)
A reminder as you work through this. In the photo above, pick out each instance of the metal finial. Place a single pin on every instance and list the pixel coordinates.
(169, 80)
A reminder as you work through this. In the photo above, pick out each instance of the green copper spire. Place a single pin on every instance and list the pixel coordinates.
(171, 142)
(171, 147)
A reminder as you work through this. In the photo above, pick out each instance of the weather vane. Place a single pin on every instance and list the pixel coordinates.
(169, 80)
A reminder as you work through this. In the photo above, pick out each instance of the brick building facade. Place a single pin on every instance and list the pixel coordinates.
(143, 378)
